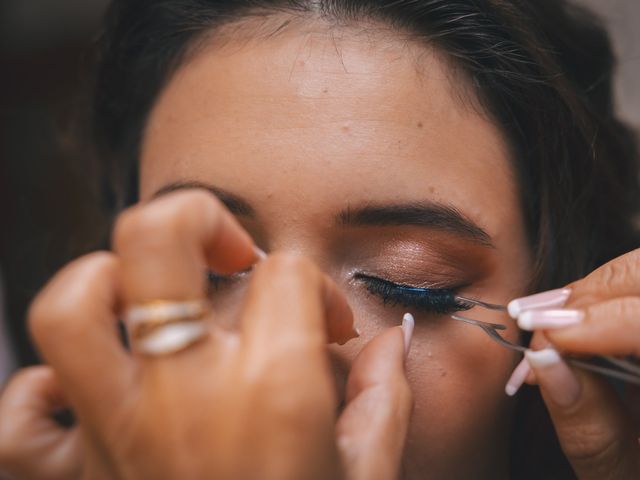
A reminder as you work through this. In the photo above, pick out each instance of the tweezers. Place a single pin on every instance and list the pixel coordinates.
(627, 369)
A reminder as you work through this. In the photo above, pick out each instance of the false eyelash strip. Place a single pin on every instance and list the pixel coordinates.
(430, 300)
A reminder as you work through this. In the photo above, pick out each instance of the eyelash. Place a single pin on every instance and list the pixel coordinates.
(426, 300)
(216, 281)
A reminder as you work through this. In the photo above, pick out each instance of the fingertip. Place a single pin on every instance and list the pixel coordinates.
(408, 324)
(259, 253)
(517, 378)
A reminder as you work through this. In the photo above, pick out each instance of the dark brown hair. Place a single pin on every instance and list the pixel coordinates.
(541, 68)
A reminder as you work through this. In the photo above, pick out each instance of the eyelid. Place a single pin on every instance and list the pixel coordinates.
(427, 300)
(424, 287)
(213, 277)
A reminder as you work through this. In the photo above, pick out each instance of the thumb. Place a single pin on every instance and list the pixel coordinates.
(32, 443)
(594, 431)
(372, 429)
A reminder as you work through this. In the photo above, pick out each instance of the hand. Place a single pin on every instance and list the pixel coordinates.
(32, 444)
(255, 403)
(597, 430)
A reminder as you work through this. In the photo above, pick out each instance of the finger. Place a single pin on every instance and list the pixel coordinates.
(166, 245)
(595, 434)
(617, 278)
(32, 444)
(290, 312)
(520, 375)
(293, 306)
(74, 326)
(523, 373)
(372, 429)
(608, 328)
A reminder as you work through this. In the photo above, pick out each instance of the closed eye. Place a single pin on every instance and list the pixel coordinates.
(439, 301)
(216, 281)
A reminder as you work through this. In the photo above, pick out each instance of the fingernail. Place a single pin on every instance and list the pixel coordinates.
(261, 254)
(551, 299)
(539, 319)
(517, 378)
(554, 376)
(407, 329)
(355, 332)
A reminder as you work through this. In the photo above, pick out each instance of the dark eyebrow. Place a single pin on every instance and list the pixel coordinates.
(235, 204)
(425, 214)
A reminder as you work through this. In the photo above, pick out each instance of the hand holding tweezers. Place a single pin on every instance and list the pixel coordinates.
(627, 370)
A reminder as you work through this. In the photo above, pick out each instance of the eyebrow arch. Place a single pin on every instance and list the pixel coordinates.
(433, 215)
(236, 205)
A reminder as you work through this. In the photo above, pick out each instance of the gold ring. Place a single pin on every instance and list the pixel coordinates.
(162, 327)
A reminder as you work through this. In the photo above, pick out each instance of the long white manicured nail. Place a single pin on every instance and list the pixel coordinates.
(549, 319)
(517, 378)
(408, 323)
(554, 376)
(551, 299)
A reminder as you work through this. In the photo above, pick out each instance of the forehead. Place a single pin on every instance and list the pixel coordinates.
(319, 116)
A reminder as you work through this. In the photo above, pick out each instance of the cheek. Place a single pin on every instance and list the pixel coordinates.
(457, 375)
(461, 410)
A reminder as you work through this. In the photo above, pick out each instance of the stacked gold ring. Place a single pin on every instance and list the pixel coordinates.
(161, 327)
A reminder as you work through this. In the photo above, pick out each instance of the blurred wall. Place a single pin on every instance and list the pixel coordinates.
(623, 18)
(48, 208)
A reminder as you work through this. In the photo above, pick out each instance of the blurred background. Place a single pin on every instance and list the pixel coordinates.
(48, 201)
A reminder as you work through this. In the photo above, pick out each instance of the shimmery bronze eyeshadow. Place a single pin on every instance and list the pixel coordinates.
(421, 258)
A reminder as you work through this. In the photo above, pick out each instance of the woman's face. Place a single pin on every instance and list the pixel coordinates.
(357, 150)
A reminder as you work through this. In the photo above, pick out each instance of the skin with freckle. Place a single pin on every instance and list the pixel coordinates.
(313, 121)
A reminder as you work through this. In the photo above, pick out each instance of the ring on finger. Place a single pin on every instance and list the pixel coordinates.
(162, 327)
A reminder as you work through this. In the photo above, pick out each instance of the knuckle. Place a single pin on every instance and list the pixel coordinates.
(63, 297)
(36, 373)
(181, 205)
(632, 258)
(292, 266)
(163, 219)
(44, 316)
(624, 310)
(623, 268)
(192, 197)
(141, 225)
(627, 309)
(39, 318)
(594, 449)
